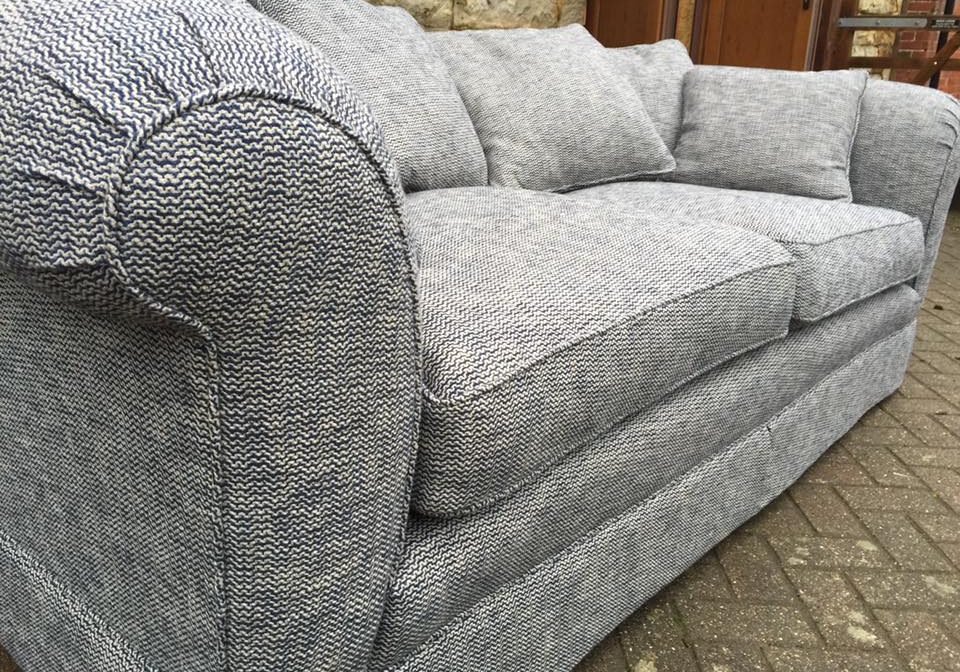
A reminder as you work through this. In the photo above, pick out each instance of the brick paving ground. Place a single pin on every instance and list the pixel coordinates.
(856, 568)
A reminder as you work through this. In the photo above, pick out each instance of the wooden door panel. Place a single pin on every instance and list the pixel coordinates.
(620, 23)
(757, 33)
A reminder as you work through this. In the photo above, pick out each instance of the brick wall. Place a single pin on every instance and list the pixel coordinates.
(920, 44)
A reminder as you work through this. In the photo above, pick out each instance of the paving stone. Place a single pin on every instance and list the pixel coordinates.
(921, 640)
(884, 466)
(891, 499)
(830, 552)
(908, 546)
(951, 623)
(917, 365)
(836, 467)
(928, 456)
(877, 417)
(704, 580)
(862, 435)
(652, 639)
(951, 422)
(721, 621)
(944, 362)
(605, 657)
(754, 570)
(944, 385)
(952, 551)
(782, 517)
(944, 482)
(898, 404)
(913, 388)
(930, 338)
(939, 527)
(813, 660)
(929, 430)
(826, 511)
(731, 658)
(838, 612)
(908, 590)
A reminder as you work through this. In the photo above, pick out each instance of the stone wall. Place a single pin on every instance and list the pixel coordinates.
(871, 43)
(466, 14)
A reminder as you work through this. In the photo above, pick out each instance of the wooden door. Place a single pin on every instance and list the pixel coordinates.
(620, 23)
(757, 33)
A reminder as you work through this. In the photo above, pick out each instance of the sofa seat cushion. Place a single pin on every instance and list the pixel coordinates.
(546, 320)
(844, 252)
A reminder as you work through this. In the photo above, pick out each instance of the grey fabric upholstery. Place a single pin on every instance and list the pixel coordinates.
(905, 157)
(193, 232)
(211, 368)
(656, 71)
(550, 617)
(451, 565)
(552, 109)
(546, 320)
(385, 54)
(843, 252)
(769, 130)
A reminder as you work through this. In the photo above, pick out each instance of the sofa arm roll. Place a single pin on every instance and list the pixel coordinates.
(905, 157)
(199, 221)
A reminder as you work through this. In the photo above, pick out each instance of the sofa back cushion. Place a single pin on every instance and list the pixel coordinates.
(770, 130)
(384, 53)
(552, 110)
(656, 71)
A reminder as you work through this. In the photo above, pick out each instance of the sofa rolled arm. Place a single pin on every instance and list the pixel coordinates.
(211, 239)
(905, 157)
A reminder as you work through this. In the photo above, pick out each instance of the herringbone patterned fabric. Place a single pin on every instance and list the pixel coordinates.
(215, 477)
(548, 320)
(843, 252)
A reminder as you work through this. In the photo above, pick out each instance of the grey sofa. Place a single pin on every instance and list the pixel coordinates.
(260, 409)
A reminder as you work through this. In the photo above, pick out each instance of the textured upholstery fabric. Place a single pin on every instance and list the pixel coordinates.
(843, 252)
(905, 157)
(769, 130)
(451, 565)
(656, 71)
(385, 54)
(549, 618)
(545, 320)
(82, 533)
(552, 109)
(188, 476)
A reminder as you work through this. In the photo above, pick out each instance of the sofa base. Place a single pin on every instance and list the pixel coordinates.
(551, 617)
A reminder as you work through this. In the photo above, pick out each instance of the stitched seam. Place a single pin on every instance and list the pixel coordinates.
(446, 402)
(851, 234)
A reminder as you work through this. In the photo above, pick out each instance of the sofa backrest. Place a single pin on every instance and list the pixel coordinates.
(384, 53)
